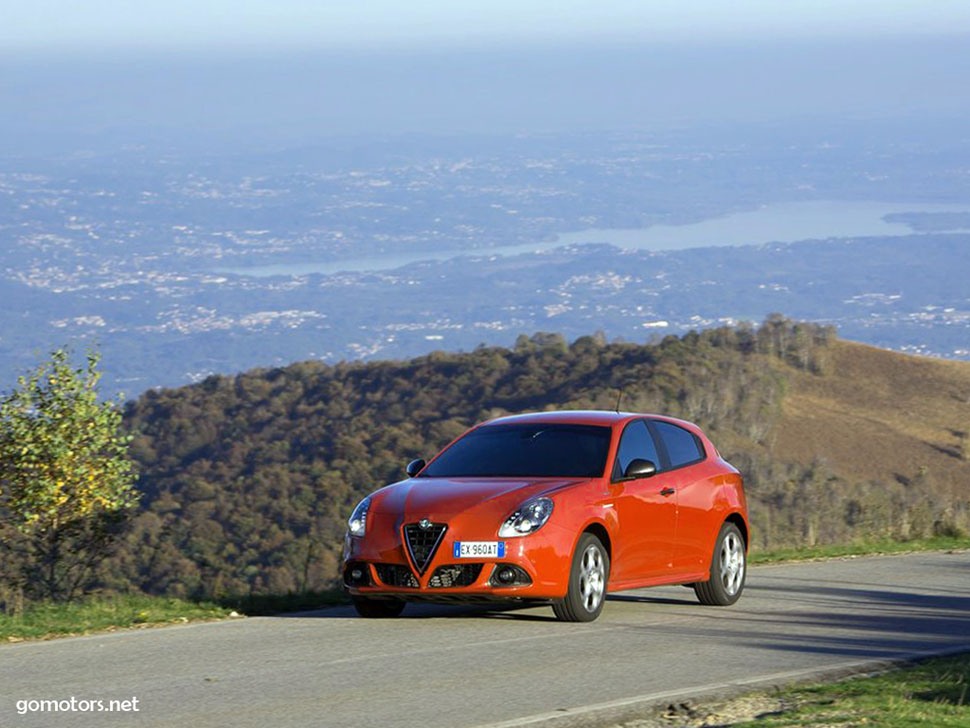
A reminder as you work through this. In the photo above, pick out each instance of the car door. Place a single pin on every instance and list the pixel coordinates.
(683, 453)
(646, 510)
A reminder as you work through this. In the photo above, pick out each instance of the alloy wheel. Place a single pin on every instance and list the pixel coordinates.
(732, 563)
(592, 577)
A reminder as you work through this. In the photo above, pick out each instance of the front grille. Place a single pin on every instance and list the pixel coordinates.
(423, 542)
(455, 575)
(396, 575)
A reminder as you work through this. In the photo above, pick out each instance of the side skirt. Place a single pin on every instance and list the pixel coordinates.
(657, 581)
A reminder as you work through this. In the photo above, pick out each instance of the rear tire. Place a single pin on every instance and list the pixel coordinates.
(728, 570)
(588, 575)
(378, 608)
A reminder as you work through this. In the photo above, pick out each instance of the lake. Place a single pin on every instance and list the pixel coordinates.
(783, 222)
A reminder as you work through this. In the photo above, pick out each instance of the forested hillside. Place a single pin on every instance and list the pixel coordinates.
(248, 479)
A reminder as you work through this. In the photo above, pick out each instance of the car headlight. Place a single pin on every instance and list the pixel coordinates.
(357, 525)
(528, 518)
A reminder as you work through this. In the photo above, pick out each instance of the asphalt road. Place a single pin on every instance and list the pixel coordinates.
(460, 667)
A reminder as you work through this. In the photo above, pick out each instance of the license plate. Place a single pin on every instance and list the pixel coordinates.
(479, 549)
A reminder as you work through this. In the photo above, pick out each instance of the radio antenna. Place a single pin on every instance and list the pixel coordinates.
(619, 394)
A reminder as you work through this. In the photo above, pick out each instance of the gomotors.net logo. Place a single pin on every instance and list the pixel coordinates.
(78, 705)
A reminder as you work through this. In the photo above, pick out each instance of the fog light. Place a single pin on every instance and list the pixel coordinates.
(509, 575)
(357, 574)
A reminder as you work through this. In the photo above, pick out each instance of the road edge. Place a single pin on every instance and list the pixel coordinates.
(632, 708)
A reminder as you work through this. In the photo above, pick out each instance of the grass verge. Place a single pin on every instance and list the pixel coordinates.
(931, 693)
(44, 620)
(861, 548)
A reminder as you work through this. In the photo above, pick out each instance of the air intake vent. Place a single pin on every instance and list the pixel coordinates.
(423, 542)
(396, 575)
(445, 577)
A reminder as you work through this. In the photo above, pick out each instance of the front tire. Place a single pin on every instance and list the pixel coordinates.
(378, 608)
(587, 582)
(728, 570)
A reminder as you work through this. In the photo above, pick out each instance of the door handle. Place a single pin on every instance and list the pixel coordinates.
(667, 491)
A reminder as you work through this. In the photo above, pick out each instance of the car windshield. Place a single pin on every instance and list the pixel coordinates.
(540, 450)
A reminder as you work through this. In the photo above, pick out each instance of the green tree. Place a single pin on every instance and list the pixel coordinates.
(66, 483)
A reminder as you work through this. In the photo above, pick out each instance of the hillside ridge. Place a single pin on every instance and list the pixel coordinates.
(883, 416)
(247, 479)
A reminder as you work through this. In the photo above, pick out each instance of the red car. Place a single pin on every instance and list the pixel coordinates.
(557, 508)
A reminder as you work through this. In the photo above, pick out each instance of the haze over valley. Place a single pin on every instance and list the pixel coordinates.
(180, 265)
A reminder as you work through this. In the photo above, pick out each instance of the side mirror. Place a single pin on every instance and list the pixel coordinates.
(414, 467)
(639, 468)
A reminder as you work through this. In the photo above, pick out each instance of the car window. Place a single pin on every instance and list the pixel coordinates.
(537, 450)
(635, 443)
(682, 446)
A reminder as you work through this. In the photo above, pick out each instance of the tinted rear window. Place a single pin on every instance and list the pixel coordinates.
(533, 450)
(682, 446)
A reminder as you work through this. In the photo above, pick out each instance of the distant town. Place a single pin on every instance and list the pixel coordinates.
(165, 261)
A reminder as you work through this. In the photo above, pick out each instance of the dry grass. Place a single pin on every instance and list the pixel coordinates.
(879, 415)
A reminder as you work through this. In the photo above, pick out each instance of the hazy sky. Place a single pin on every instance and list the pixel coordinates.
(320, 24)
(88, 73)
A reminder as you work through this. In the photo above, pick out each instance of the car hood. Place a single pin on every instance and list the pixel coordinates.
(438, 498)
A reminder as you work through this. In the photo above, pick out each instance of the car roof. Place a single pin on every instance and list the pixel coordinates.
(606, 418)
(575, 417)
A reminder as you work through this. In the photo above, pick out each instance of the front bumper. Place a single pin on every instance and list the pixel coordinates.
(386, 567)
